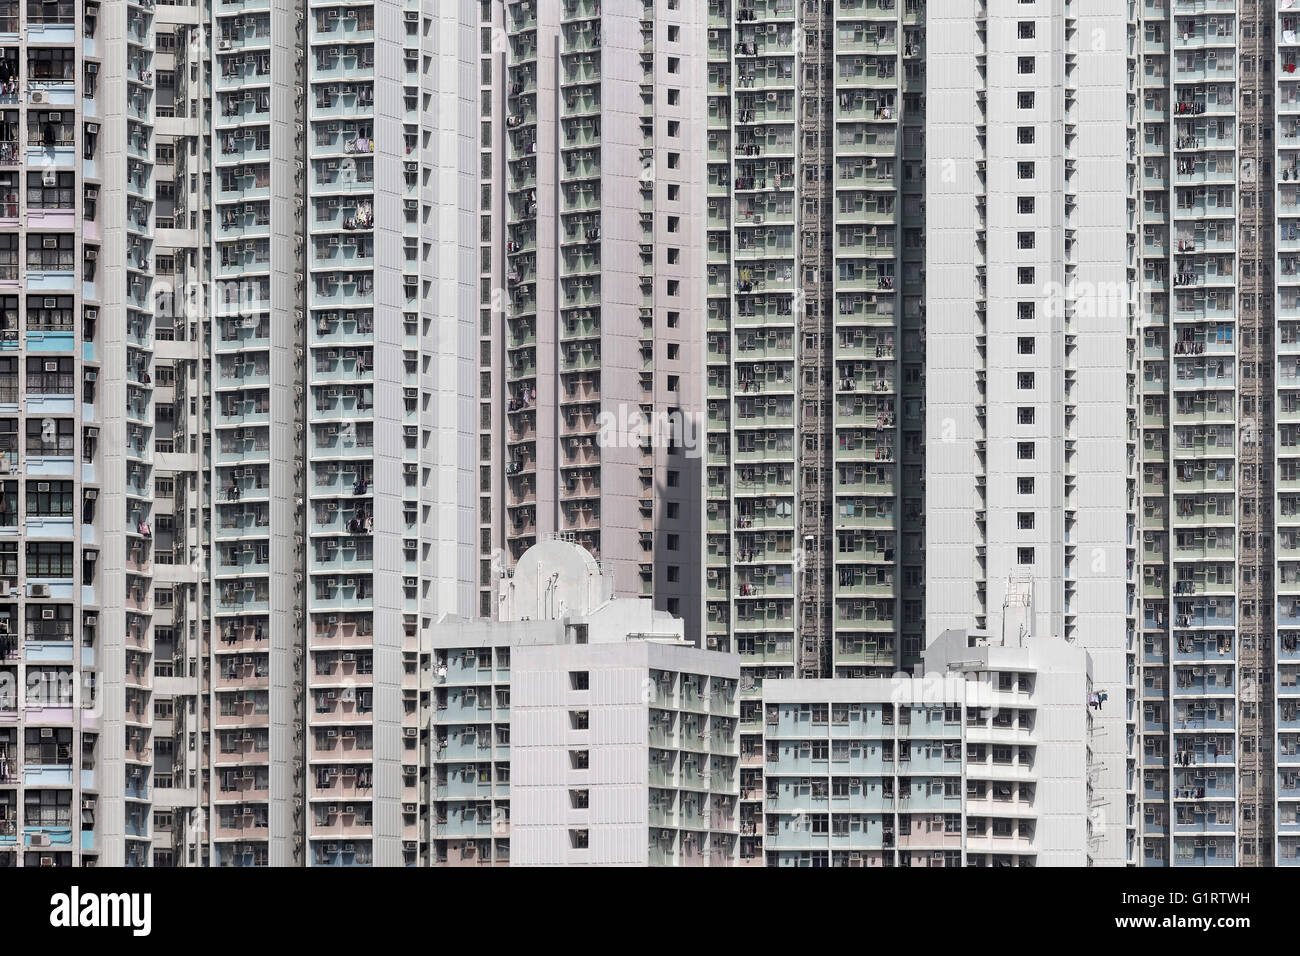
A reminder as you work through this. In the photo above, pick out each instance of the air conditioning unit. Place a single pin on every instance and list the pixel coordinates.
(38, 590)
(38, 98)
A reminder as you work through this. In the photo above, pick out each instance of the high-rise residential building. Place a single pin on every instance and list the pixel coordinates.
(1205, 568)
(258, 335)
(343, 194)
(1032, 373)
(816, 177)
(826, 326)
(591, 296)
(1270, 583)
(985, 759)
(103, 502)
(235, 424)
(580, 728)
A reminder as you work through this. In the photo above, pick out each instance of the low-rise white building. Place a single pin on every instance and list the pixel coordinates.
(581, 728)
(981, 759)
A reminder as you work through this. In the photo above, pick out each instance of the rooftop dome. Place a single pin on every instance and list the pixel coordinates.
(553, 578)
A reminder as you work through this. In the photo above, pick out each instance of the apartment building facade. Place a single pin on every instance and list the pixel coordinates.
(102, 713)
(243, 302)
(343, 186)
(1201, 480)
(985, 760)
(591, 288)
(578, 728)
(223, 526)
(1032, 458)
(816, 145)
(1215, 438)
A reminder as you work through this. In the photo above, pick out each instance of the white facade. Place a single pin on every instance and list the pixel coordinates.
(344, 189)
(581, 728)
(651, 776)
(982, 759)
(1030, 370)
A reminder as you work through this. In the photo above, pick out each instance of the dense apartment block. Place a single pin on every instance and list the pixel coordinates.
(257, 459)
(1215, 438)
(985, 760)
(591, 293)
(815, 282)
(1201, 405)
(102, 489)
(341, 193)
(822, 330)
(578, 728)
(1032, 377)
(235, 424)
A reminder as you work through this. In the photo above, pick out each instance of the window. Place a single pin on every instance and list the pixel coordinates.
(49, 559)
(1025, 100)
(1025, 240)
(1025, 311)
(579, 680)
(47, 808)
(1025, 450)
(48, 749)
(1025, 415)
(1025, 29)
(51, 63)
(1025, 170)
(51, 127)
(1025, 345)
(50, 251)
(1025, 205)
(1025, 521)
(52, 436)
(579, 799)
(50, 190)
(1025, 135)
(9, 254)
(1025, 486)
(54, 623)
(1024, 555)
(50, 376)
(49, 498)
(578, 839)
(1025, 64)
(579, 719)
(579, 759)
(49, 313)
(1024, 380)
